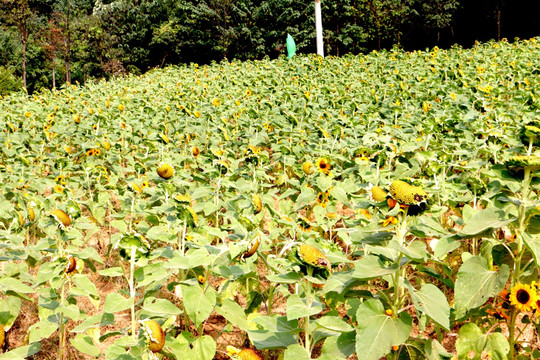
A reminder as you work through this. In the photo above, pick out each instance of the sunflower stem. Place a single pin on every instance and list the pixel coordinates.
(512, 333)
(307, 337)
(132, 288)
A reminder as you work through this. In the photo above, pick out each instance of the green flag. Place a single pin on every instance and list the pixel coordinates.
(291, 46)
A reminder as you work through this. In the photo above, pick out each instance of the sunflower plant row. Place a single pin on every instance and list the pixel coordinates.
(378, 206)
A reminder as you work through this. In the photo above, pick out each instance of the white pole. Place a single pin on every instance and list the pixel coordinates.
(318, 28)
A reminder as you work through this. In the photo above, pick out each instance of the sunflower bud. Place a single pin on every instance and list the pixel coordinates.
(307, 168)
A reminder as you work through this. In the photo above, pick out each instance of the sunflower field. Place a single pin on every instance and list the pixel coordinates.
(380, 206)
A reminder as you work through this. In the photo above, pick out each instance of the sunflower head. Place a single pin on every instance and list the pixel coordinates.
(131, 240)
(257, 203)
(2, 335)
(135, 188)
(155, 335)
(61, 218)
(71, 264)
(323, 165)
(183, 199)
(377, 194)
(222, 166)
(407, 194)
(252, 247)
(312, 256)
(249, 354)
(31, 212)
(307, 168)
(163, 138)
(523, 297)
(523, 161)
(165, 171)
(195, 151)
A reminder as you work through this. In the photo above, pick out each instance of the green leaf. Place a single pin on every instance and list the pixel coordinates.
(490, 218)
(533, 243)
(333, 323)
(16, 285)
(286, 278)
(41, 330)
(85, 285)
(203, 348)
(298, 308)
(273, 332)
(338, 347)
(340, 195)
(296, 352)
(476, 283)
(23, 352)
(234, 313)
(84, 344)
(306, 196)
(161, 307)
(472, 343)
(432, 302)
(9, 311)
(371, 266)
(116, 302)
(377, 332)
(198, 304)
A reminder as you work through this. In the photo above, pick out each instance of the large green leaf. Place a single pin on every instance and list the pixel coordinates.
(234, 313)
(377, 332)
(85, 344)
(298, 308)
(472, 343)
(296, 352)
(273, 332)
(198, 303)
(490, 218)
(371, 266)
(476, 283)
(432, 302)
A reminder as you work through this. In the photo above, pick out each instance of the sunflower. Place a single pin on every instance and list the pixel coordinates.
(195, 151)
(307, 168)
(165, 171)
(71, 264)
(243, 354)
(222, 166)
(310, 255)
(323, 165)
(257, 203)
(61, 217)
(407, 194)
(135, 188)
(155, 335)
(252, 247)
(523, 297)
(376, 193)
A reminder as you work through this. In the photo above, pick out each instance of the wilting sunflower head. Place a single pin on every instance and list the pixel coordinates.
(195, 151)
(135, 188)
(523, 297)
(31, 212)
(165, 171)
(154, 333)
(164, 138)
(523, 161)
(376, 193)
(257, 203)
(61, 218)
(71, 264)
(323, 165)
(407, 194)
(530, 132)
(183, 199)
(133, 240)
(222, 166)
(252, 247)
(310, 255)
(249, 354)
(307, 168)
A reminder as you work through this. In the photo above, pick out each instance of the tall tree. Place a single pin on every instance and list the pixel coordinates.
(17, 13)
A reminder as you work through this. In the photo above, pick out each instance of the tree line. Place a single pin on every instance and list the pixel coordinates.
(48, 43)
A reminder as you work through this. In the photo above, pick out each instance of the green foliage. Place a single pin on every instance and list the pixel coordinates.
(8, 81)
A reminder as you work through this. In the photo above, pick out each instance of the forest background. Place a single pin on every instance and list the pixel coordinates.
(47, 43)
